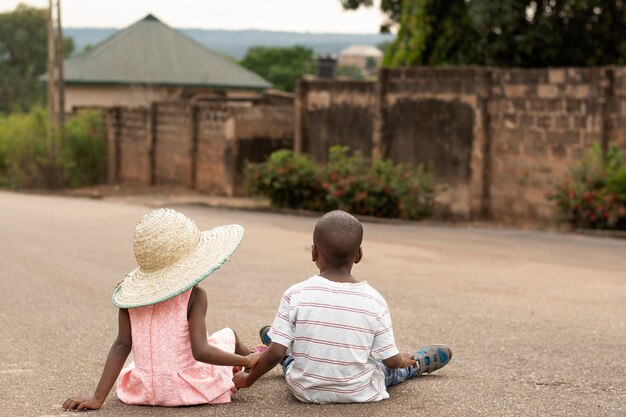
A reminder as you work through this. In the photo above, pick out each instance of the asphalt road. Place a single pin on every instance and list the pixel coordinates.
(536, 320)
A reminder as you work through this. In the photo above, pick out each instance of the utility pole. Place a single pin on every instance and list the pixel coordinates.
(51, 85)
(60, 80)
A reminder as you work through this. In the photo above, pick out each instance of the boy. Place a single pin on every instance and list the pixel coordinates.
(328, 326)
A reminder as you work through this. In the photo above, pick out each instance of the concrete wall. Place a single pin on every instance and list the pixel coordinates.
(334, 113)
(200, 146)
(77, 95)
(497, 139)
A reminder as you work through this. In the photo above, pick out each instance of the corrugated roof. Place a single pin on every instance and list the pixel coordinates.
(150, 52)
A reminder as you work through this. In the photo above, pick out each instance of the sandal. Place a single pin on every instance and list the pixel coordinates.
(432, 358)
(263, 334)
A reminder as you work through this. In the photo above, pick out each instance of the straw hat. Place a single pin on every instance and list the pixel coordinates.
(173, 256)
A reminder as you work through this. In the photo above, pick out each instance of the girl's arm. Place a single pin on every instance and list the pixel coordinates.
(200, 347)
(115, 361)
(268, 360)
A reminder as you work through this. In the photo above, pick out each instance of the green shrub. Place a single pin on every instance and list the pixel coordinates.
(594, 193)
(24, 150)
(25, 161)
(289, 180)
(348, 182)
(83, 156)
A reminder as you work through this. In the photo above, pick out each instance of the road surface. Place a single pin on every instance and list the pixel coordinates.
(536, 320)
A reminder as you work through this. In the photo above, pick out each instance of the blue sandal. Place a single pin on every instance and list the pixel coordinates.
(432, 358)
(263, 334)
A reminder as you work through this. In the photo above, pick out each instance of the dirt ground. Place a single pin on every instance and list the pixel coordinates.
(536, 320)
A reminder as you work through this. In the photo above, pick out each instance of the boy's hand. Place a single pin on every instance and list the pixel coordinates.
(82, 404)
(240, 379)
(408, 360)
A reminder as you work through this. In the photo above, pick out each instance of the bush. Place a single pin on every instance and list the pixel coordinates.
(289, 180)
(25, 162)
(24, 150)
(594, 193)
(83, 156)
(348, 182)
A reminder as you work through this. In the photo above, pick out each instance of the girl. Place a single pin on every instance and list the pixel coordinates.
(162, 320)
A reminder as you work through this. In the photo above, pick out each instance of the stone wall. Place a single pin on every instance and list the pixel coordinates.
(200, 146)
(497, 140)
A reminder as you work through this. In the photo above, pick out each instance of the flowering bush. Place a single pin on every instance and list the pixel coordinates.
(594, 194)
(289, 180)
(348, 182)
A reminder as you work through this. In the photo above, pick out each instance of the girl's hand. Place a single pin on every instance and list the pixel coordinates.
(253, 358)
(82, 404)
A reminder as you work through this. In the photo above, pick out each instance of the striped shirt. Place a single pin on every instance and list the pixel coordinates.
(333, 329)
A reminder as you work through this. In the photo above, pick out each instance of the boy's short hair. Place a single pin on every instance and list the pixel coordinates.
(338, 236)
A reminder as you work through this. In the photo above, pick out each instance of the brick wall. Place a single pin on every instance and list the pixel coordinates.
(214, 149)
(200, 146)
(173, 144)
(542, 122)
(133, 156)
(497, 139)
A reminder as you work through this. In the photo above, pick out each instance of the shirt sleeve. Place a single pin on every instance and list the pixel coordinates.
(282, 331)
(384, 342)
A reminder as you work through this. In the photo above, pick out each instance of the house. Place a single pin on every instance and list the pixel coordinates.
(150, 61)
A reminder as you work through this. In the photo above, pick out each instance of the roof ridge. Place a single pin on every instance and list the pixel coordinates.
(116, 37)
(142, 54)
(233, 65)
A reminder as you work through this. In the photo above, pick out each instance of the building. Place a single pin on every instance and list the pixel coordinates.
(366, 58)
(150, 61)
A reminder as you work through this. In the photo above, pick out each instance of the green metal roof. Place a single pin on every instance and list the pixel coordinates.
(150, 52)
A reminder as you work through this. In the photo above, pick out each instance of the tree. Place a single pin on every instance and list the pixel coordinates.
(550, 32)
(23, 55)
(433, 32)
(280, 66)
(392, 8)
(525, 33)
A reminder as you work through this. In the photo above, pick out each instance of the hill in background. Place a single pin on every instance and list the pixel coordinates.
(237, 42)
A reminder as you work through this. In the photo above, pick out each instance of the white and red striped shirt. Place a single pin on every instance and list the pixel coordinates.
(332, 330)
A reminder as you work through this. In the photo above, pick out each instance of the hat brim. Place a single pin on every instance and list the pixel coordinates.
(141, 288)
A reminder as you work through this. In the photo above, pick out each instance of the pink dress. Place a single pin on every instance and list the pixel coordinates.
(164, 371)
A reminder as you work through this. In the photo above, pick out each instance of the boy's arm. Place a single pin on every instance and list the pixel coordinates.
(401, 360)
(115, 361)
(268, 360)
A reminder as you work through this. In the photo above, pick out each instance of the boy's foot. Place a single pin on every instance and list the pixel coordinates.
(265, 339)
(432, 358)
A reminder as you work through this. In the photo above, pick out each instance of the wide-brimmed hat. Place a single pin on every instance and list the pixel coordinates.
(173, 255)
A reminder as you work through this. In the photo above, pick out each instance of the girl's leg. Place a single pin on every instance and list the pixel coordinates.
(396, 376)
(240, 347)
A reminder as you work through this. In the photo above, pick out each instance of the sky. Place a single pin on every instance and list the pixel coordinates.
(321, 16)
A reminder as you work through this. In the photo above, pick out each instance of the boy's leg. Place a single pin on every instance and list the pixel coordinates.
(266, 340)
(286, 363)
(428, 359)
(396, 376)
